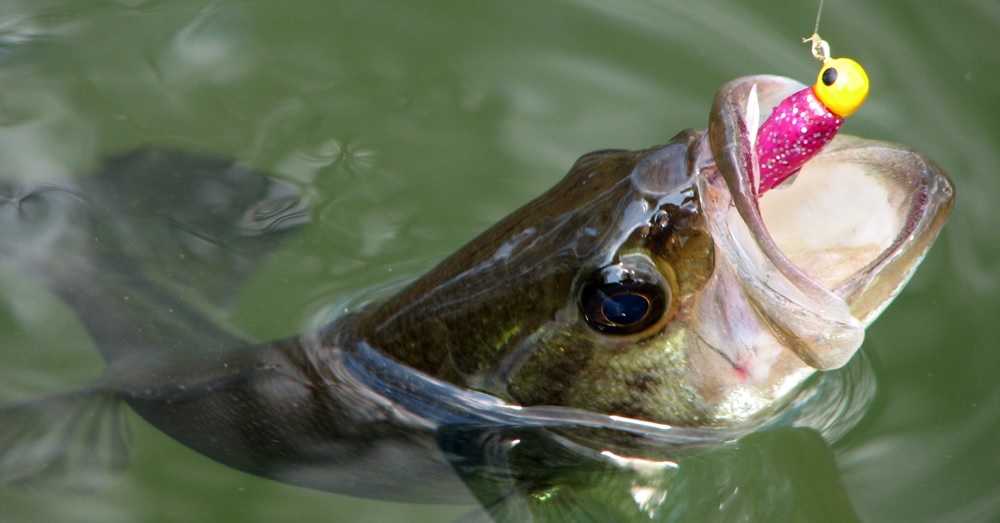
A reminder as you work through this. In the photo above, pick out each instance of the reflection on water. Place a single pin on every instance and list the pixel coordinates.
(413, 127)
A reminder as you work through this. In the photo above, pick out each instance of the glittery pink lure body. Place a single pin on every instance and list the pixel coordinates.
(798, 128)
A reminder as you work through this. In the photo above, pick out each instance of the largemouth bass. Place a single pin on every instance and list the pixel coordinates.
(648, 289)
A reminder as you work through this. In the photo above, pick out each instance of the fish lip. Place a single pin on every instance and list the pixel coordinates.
(823, 326)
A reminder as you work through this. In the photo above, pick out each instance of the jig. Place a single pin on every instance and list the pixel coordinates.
(804, 123)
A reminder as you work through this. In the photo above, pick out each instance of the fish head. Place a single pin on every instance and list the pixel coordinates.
(654, 285)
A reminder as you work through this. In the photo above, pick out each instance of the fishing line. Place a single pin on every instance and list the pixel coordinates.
(819, 13)
(820, 49)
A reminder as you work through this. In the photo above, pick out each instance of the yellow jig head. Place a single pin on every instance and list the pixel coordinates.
(842, 84)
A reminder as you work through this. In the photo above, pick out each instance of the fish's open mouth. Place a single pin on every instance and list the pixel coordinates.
(858, 219)
(820, 257)
(834, 220)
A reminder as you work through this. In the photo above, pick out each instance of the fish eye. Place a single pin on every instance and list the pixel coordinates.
(842, 86)
(623, 300)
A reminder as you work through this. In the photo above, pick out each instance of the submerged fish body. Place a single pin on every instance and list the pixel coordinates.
(647, 290)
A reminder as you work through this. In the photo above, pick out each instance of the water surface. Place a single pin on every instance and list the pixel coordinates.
(414, 126)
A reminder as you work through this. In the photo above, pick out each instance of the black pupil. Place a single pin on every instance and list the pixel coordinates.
(829, 76)
(625, 309)
(618, 300)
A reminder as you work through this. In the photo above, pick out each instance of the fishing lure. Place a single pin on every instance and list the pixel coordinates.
(804, 123)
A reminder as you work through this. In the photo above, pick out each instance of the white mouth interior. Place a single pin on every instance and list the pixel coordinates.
(833, 219)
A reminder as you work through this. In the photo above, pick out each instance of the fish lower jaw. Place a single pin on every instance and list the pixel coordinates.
(742, 372)
(743, 402)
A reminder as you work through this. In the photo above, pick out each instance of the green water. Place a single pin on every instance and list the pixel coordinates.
(414, 126)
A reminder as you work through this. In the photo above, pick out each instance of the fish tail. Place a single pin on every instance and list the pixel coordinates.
(74, 441)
